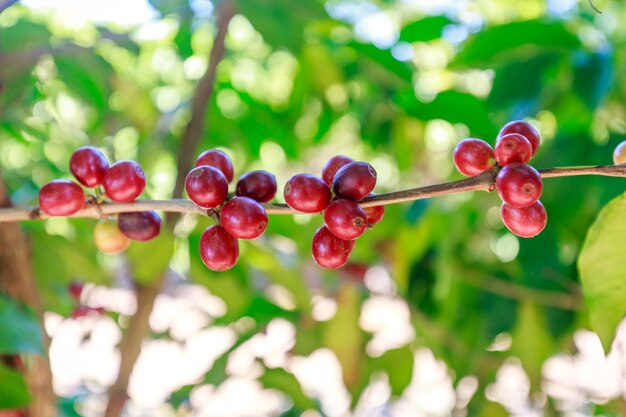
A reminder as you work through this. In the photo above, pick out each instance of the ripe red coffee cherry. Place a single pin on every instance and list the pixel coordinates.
(108, 237)
(345, 219)
(374, 214)
(473, 156)
(328, 250)
(142, 226)
(257, 185)
(307, 193)
(513, 148)
(243, 218)
(354, 181)
(332, 166)
(88, 165)
(75, 289)
(619, 154)
(519, 185)
(523, 128)
(206, 186)
(124, 181)
(526, 221)
(61, 198)
(219, 250)
(217, 159)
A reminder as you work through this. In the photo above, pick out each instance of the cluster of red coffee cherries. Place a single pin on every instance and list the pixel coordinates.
(121, 182)
(239, 217)
(518, 184)
(344, 182)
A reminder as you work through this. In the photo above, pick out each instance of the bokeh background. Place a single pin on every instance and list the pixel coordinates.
(441, 311)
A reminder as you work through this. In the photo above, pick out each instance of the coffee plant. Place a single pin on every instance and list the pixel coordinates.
(236, 208)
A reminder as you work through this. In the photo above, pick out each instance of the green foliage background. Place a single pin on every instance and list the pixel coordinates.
(297, 86)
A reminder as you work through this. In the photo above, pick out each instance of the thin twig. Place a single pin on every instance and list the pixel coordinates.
(481, 182)
(594, 7)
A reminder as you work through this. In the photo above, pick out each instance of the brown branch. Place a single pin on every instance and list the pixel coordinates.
(18, 282)
(195, 126)
(138, 328)
(481, 182)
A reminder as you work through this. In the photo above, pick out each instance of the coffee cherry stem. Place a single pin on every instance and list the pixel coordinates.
(481, 182)
(215, 215)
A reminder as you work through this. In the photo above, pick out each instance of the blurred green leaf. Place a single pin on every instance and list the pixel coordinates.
(601, 264)
(19, 328)
(268, 15)
(453, 106)
(13, 390)
(384, 59)
(149, 260)
(87, 76)
(521, 80)
(278, 378)
(515, 40)
(593, 76)
(425, 29)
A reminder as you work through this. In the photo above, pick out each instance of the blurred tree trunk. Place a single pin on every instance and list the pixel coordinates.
(18, 282)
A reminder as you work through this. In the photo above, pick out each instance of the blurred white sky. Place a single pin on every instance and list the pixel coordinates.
(121, 12)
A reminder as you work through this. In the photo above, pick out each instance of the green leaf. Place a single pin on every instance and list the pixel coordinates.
(149, 260)
(13, 390)
(524, 38)
(601, 265)
(594, 76)
(384, 59)
(424, 30)
(281, 22)
(19, 328)
(287, 383)
(453, 106)
(521, 80)
(87, 75)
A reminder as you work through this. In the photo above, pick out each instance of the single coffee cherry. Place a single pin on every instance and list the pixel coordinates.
(61, 198)
(142, 225)
(108, 237)
(206, 186)
(307, 193)
(75, 289)
(332, 166)
(89, 165)
(243, 218)
(513, 148)
(374, 214)
(219, 250)
(124, 181)
(523, 128)
(328, 250)
(473, 156)
(217, 159)
(526, 221)
(354, 181)
(257, 185)
(519, 185)
(619, 155)
(345, 219)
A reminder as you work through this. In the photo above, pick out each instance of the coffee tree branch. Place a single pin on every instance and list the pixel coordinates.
(484, 182)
